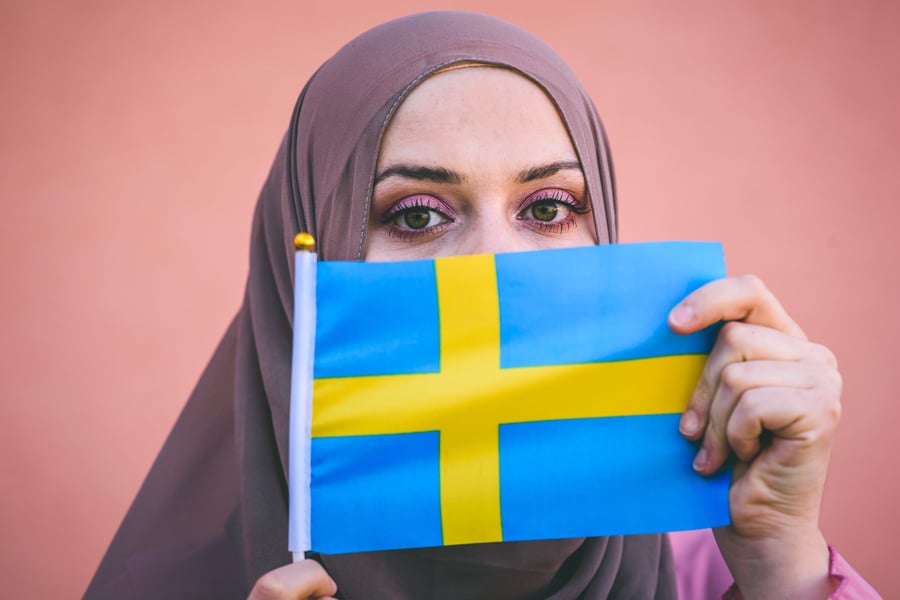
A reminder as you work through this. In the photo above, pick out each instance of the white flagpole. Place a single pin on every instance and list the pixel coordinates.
(301, 395)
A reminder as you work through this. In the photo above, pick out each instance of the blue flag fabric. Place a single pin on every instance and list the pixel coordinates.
(520, 396)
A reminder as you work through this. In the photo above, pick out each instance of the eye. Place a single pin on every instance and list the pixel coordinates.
(552, 210)
(418, 218)
(545, 210)
(415, 216)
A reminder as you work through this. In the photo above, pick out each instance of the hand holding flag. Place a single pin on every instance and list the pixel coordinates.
(773, 398)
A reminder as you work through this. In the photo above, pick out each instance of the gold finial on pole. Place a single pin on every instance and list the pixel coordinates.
(304, 242)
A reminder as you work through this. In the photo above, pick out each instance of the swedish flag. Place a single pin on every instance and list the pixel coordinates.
(506, 397)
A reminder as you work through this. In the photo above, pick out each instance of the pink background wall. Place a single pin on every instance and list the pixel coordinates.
(135, 136)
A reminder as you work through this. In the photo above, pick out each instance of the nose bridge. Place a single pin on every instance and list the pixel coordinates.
(491, 235)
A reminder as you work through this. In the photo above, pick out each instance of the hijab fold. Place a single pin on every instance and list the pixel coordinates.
(218, 487)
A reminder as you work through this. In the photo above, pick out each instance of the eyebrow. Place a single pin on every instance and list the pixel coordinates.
(435, 174)
(442, 175)
(545, 171)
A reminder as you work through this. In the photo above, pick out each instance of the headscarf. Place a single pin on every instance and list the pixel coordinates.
(211, 516)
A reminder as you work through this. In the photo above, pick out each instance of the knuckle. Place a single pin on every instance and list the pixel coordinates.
(827, 380)
(835, 380)
(750, 403)
(822, 354)
(833, 408)
(753, 284)
(732, 333)
(834, 412)
(269, 586)
(732, 376)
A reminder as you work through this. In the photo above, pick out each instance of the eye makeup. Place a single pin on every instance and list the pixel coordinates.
(418, 201)
(417, 217)
(551, 211)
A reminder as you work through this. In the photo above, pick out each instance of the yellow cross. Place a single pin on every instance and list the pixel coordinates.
(472, 396)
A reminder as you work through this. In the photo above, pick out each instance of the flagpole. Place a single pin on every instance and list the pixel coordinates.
(301, 395)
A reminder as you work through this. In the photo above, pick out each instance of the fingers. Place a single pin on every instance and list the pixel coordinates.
(298, 581)
(760, 347)
(786, 412)
(792, 400)
(743, 298)
(741, 343)
(773, 399)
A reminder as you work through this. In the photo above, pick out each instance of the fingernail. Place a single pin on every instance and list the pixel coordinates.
(690, 422)
(682, 315)
(701, 459)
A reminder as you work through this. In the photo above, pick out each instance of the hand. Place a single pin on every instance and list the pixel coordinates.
(297, 581)
(771, 398)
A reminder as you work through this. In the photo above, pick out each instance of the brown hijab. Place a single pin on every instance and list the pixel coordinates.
(212, 515)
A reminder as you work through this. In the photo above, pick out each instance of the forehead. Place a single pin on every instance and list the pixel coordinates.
(492, 116)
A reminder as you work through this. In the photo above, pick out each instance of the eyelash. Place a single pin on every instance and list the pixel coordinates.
(578, 207)
(411, 203)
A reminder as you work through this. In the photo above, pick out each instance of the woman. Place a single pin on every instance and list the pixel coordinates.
(452, 133)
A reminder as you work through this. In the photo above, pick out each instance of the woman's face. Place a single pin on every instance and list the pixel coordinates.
(476, 160)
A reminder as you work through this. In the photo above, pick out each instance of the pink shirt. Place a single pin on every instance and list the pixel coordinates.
(701, 571)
